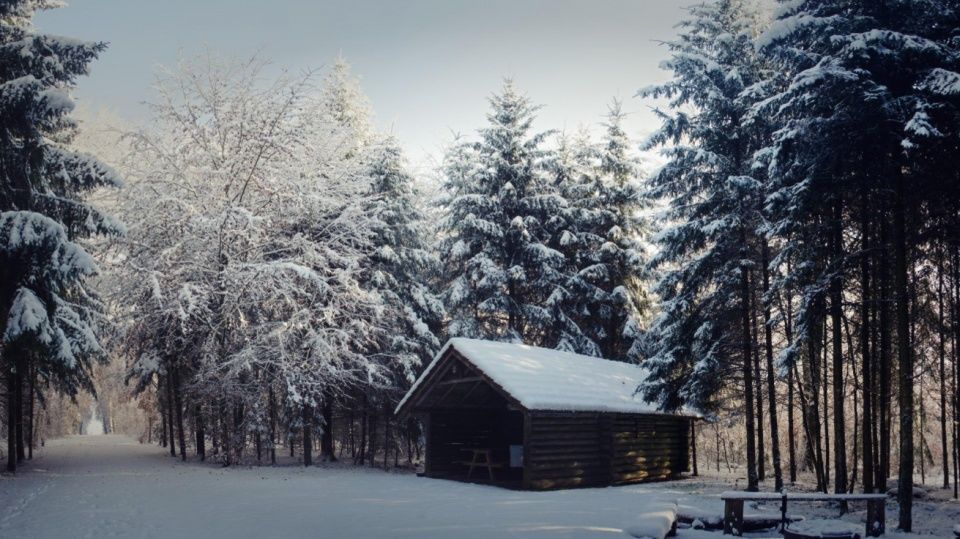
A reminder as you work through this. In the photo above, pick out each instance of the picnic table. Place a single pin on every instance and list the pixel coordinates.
(482, 457)
(733, 507)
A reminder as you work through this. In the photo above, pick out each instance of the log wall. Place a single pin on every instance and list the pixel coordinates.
(567, 449)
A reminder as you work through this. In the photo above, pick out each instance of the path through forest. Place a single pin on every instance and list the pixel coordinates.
(112, 486)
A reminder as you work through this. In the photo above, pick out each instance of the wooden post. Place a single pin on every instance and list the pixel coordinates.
(307, 419)
(783, 511)
(427, 449)
(693, 445)
(733, 517)
(876, 517)
(527, 438)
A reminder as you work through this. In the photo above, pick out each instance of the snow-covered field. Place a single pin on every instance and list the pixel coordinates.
(111, 486)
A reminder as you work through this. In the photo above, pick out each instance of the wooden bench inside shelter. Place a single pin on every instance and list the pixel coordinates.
(481, 458)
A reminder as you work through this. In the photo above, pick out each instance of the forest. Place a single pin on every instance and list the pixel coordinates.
(257, 272)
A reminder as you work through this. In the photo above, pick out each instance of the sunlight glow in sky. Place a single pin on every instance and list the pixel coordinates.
(427, 65)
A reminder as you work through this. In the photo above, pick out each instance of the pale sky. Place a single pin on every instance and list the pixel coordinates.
(427, 65)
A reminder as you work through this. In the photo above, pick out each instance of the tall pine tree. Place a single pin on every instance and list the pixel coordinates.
(402, 263)
(703, 335)
(499, 272)
(601, 237)
(48, 314)
(854, 120)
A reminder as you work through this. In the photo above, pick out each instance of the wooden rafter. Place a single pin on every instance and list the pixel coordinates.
(460, 380)
(473, 387)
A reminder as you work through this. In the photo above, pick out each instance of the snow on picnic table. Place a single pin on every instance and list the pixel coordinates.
(111, 486)
(806, 496)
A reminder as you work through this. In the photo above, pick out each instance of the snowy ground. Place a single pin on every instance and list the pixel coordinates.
(111, 486)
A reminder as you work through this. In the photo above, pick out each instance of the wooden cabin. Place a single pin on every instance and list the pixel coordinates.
(534, 418)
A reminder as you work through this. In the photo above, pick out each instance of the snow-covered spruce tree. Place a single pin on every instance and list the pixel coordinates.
(398, 267)
(48, 314)
(401, 272)
(617, 262)
(702, 337)
(346, 108)
(499, 272)
(402, 262)
(810, 223)
(571, 232)
(853, 111)
(599, 233)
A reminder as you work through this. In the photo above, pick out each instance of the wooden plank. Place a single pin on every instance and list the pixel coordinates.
(563, 416)
(470, 392)
(626, 445)
(733, 516)
(466, 380)
(573, 465)
(592, 449)
(427, 448)
(876, 517)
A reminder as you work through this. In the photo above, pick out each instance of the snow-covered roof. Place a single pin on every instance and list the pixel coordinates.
(545, 379)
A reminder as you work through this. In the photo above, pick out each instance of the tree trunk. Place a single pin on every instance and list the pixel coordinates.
(814, 373)
(693, 446)
(20, 378)
(826, 409)
(372, 438)
(30, 421)
(886, 363)
(307, 436)
(836, 316)
(362, 450)
(215, 430)
(273, 426)
(747, 359)
(771, 386)
(867, 368)
(351, 434)
(956, 373)
(716, 431)
(178, 402)
(11, 415)
(941, 330)
(851, 484)
(791, 437)
(905, 359)
(758, 391)
(225, 434)
(791, 379)
(386, 440)
(201, 435)
(326, 439)
(921, 418)
(239, 433)
(163, 415)
(170, 413)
